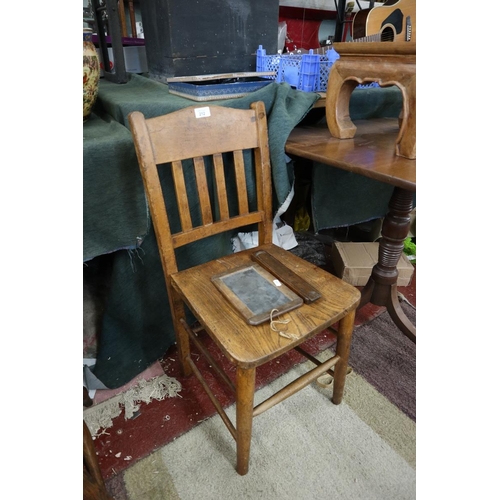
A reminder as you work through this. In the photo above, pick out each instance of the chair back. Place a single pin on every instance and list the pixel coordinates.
(209, 151)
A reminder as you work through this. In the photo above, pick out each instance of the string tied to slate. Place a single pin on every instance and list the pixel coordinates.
(280, 332)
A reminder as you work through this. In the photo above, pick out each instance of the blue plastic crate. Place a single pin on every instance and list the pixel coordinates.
(306, 72)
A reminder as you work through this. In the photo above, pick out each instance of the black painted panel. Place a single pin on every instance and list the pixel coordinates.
(199, 37)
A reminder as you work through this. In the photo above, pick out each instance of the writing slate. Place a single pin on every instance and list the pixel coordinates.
(254, 293)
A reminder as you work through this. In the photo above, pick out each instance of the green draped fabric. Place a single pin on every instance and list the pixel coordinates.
(111, 221)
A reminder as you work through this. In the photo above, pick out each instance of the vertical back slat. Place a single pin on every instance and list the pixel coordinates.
(263, 174)
(181, 193)
(241, 182)
(220, 180)
(201, 184)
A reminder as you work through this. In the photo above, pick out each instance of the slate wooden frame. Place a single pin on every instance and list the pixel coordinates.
(254, 293)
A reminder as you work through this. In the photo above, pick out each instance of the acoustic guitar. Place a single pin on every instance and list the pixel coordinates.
(395, 21)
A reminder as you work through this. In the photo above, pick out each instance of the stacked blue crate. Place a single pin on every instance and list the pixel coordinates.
(306, 72)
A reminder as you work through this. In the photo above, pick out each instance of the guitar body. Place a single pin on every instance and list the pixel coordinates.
(395, 21)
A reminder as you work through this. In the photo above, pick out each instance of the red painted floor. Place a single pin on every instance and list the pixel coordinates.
(160, 422)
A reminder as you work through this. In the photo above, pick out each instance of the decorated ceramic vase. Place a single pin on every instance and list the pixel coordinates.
(91, 73)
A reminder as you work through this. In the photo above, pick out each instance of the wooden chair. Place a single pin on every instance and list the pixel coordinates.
(198, 133)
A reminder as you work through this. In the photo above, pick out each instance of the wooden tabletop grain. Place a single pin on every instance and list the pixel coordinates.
(371, 152)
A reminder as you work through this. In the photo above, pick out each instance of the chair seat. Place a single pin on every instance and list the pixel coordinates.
(248, 345)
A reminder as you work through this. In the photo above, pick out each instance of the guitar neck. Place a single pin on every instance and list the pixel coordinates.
(392, 22)
(371, 38)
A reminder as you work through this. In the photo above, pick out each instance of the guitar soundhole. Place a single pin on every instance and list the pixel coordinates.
(387, 35)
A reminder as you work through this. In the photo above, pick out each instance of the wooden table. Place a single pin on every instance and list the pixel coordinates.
(371, 153)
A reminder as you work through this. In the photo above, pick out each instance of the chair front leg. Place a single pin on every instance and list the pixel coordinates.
(344, 336)
(245, 390)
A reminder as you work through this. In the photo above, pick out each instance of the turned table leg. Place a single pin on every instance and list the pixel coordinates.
(381, 288)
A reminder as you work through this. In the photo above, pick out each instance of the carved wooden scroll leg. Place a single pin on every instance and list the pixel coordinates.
(337, 105)
(406, 143)
(399, 317)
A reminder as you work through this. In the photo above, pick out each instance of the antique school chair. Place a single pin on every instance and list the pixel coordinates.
(215, 139)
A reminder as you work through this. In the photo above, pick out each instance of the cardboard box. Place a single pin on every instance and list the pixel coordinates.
(353, 262)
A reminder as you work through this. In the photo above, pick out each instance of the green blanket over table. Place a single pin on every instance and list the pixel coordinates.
(137, 328)
(111, 220)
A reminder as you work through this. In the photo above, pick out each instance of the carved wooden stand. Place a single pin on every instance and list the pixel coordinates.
(387, 63)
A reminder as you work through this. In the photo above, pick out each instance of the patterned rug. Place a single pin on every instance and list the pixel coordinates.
(363, 448)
